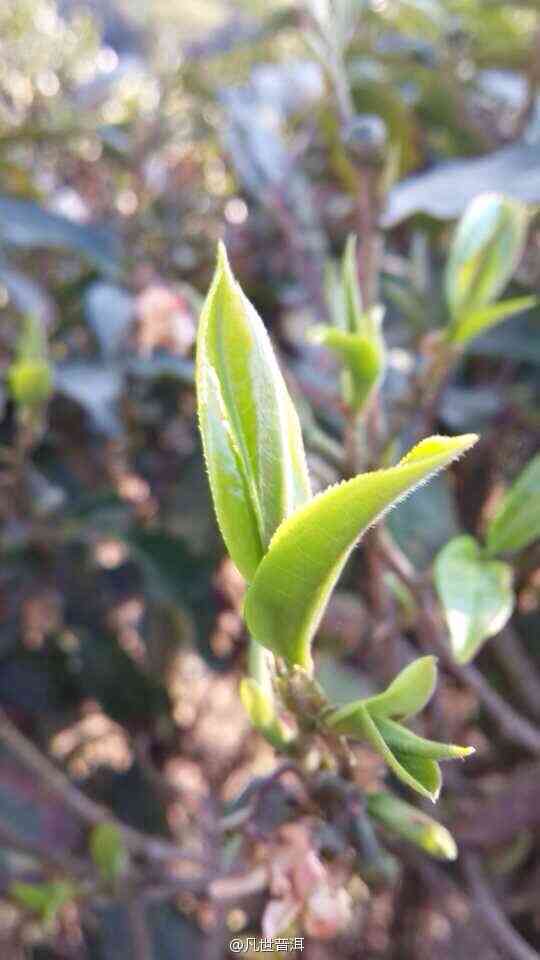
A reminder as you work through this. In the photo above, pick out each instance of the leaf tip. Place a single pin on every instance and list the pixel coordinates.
(461, 752)
(222, 258)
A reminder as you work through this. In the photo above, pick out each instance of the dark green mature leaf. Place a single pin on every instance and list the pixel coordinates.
(292, 585)
(109, 311)
(517, 521)
(96, 388)
(445, 192)
(251, 434)
(485, 250)
(25, 224)
(412, 824)
(476, 594)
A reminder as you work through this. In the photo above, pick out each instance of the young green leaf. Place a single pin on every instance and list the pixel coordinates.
(29, 378)
(485, 251)
(405, 742)
(517, 521)
(406, 696)
(356, 321)
(476, 595)
(421, 774)
(412, 758)
(471, 324)
(355, 334)
(108, 851)
(250, 431)
(409, 693)
(362, 357)
(229, 485)
(412, 824)
(294, 580)
(44, 899)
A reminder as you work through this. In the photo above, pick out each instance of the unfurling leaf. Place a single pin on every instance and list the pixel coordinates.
(294, 580)
(472, 324)
(485, 250)
(517, 521)
(411, 758)
(250, 431)
(356, 333)
(476, 595)
(412, 824)
(361, 356)
(355, 320)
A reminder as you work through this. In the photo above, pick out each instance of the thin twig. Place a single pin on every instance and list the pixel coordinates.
(92, 813)
(503, 933)
(519, 668)
(11, 839)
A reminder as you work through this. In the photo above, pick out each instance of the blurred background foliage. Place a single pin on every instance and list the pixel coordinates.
(132, 137)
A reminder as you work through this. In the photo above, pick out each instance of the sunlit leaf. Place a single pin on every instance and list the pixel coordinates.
(445, 190)
(292, 585)
(251, 434)
(485, 250)
(517, 521)
(476, 594)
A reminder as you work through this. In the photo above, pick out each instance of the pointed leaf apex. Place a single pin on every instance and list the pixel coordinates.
(441, 446)
(461, 752)
(222, 258)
